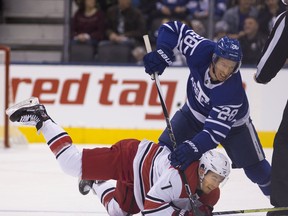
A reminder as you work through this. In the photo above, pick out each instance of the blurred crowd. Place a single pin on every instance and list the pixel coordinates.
(110, 31)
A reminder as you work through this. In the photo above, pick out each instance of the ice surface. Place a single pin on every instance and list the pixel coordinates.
(32, 184)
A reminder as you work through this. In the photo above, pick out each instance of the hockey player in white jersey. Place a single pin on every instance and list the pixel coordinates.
(146, 181)
(217, 110)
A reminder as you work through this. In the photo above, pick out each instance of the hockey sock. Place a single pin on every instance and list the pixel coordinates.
(68, 156)
(260, 174)
(105, 192)
(57, 139)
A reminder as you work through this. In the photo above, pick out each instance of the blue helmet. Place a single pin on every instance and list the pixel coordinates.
(228, 48)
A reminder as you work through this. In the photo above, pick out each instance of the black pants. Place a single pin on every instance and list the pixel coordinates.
(279, 180)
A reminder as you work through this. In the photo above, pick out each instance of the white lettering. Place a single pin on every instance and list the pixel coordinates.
(164, 56)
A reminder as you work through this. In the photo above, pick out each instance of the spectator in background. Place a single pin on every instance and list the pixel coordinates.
(252, 41)
(221, 29)
(88, 25)
(231, 3)
(148, 9)
(88, 28)
(1, 11)
(199, 9)
(198, 27)
(125, 28)
(268, 14)
(236, 15)
(105, 4)
(168, 10)
(173, 9)
(125, 23)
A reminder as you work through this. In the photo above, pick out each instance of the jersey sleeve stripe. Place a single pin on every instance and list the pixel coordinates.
(212, 138)
(218, 123)
(232, 106)
(168, 26)
(219, 133)
(176, 26)
(179, 43)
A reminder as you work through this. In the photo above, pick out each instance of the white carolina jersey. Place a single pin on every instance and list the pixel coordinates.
(158, 187)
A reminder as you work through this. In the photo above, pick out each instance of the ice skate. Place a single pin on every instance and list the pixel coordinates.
(86, 185)
(28, 112)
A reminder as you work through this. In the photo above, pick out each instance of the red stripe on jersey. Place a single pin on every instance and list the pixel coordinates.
(147, 167)
(60, 143)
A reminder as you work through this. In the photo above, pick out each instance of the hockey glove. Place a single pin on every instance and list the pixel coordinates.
(184, 154)
(158, 60)
(204, 210)
(182, 213)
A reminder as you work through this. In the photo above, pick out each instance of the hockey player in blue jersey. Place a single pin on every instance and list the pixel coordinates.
(217, 109)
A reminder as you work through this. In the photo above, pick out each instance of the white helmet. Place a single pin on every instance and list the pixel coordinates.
(285, 2)
(216, 162)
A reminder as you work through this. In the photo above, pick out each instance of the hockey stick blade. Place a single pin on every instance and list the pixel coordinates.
(251, 211)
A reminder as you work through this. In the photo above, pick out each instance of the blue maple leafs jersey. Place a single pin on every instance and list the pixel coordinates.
(219, 106)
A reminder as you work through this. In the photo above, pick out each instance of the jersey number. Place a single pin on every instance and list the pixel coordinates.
(191, 39)
(227, 114)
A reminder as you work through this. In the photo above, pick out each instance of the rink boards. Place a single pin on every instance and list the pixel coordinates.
(102, 104)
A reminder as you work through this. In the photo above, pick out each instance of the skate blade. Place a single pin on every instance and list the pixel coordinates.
(25, 103)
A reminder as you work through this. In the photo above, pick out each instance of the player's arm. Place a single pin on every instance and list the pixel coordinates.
(229, 104)
(216, 127)
(171, 35)
(275, 52)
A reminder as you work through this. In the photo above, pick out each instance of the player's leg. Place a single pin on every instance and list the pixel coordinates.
(99, 163)
(184, 127)
(279, 180)
(60, 143)
(245, 150)
(115, 162)
(117, 200)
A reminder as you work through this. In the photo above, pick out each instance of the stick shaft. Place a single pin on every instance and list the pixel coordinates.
(160, 93)
(170, 131)
(147, 43)
(251, 211)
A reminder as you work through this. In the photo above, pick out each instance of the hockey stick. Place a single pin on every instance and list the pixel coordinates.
(251, 211)
(192, 200)
(158, 86)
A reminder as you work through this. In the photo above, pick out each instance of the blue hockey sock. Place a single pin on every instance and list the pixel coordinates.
(260, 174)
